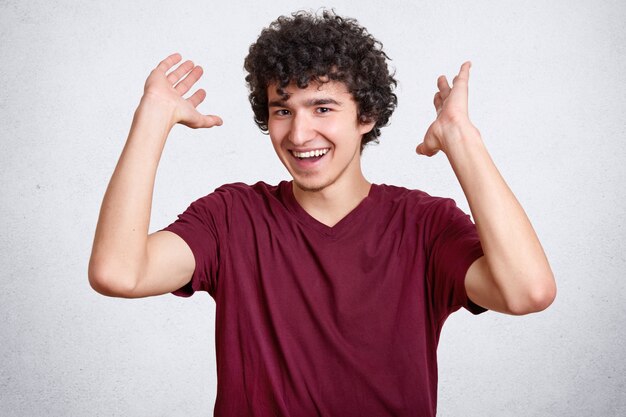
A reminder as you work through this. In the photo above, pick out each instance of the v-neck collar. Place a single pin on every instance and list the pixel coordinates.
(289, 199)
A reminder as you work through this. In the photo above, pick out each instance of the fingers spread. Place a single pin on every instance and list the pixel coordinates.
(443, 86)
(179, 72)
(186, 83)
(463, 73)
(197, 97)
(438, 102)
(169, 62)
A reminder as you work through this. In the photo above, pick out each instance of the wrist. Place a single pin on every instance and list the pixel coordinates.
(152, 123)
(459, 137)
(157, 109)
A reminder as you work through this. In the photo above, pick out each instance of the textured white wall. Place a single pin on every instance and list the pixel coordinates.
(547, 92)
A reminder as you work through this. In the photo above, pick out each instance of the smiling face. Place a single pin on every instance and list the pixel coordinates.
(316, 134)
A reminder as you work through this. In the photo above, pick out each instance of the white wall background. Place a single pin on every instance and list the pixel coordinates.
(547, 92)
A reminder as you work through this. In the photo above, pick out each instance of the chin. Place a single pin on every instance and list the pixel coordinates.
(312, 186)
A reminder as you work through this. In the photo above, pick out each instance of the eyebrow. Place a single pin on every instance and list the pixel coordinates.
(309, 103)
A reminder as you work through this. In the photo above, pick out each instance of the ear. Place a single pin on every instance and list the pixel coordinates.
(366, 124)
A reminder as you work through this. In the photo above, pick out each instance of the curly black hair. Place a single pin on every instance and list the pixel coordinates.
(306, 47)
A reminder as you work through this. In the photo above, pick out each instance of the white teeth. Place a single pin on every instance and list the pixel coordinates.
(310, 154)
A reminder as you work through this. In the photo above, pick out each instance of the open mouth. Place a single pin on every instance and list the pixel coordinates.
(315, 154)
(310, 155)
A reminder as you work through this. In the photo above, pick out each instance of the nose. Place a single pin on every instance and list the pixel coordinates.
(301, 130)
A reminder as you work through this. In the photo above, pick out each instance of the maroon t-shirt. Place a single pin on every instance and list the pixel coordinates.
(314, 320)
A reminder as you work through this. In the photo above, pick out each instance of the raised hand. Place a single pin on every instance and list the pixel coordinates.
(169, 89)
(452, 115)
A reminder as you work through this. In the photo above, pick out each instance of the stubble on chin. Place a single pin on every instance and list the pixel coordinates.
(309, 188)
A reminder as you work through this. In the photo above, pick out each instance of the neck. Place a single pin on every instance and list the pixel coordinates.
(334, 202)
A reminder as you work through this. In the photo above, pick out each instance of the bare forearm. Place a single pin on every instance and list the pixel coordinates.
(125, 261)
(514, 276)
(513, 252)
(121, 234)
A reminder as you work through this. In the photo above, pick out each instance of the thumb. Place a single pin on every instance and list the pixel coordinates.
(200, 121)
(211, 120)
(429, 145)
(422, 149)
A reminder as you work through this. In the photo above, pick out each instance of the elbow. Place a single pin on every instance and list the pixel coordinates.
(107, 282)
(538, 298)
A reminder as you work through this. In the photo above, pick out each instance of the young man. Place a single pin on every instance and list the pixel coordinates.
(330, 291)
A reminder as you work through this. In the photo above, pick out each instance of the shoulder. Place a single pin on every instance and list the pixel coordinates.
(418, 207)
(238, 199)
(241, 192)
(414, 199)
(229, 204)
(241, 188)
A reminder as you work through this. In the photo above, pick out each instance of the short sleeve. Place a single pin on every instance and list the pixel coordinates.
(204, 227)
(454, 247)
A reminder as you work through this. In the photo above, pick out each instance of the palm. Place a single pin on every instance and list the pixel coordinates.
(170, 89)
(451, 106)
